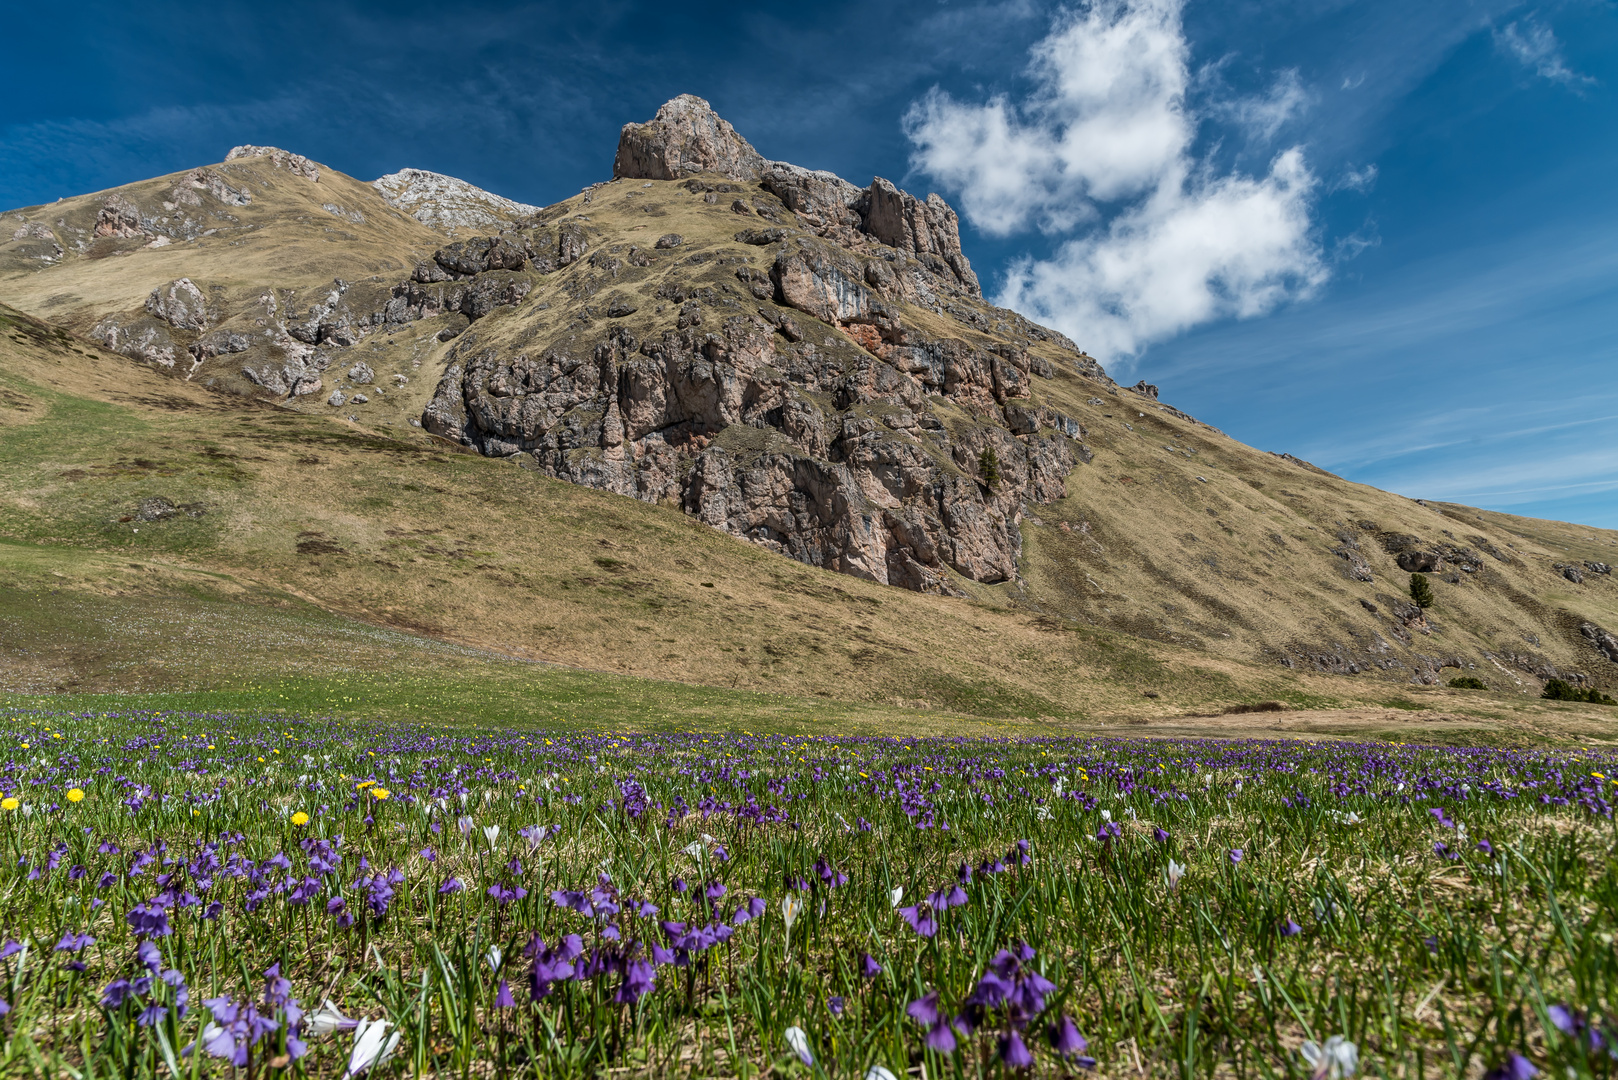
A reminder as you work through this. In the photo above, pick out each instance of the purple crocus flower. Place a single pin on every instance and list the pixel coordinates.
(924, 1010)
(149, 920)
(639, 979)
(1515, 1067)
(921, 920)
(1235, 855)
(506, 894)
(1291, 929)
(1014, 1052)
(869, 967)
(1065, 1038)
(503, 998)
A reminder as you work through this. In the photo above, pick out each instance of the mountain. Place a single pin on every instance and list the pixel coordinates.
(794, 360)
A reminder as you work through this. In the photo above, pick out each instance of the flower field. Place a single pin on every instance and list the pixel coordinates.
(193, 895)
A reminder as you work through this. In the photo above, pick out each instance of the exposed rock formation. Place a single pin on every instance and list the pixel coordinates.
(120, 218)
(1602, 640)
(296, 164)
(831, 456)
(820, 423)
(445, 203)
(687, 137)
(180, 304)
(684, 138)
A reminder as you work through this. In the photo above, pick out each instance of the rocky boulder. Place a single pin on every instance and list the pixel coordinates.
(180, 304)
(118, 217)
(1604, 641)
(1420, 562)
(479, 255)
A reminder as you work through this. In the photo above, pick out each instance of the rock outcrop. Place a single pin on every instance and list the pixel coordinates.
(180, 304)
(1605, 642)
(296, 164)
(832, 456)
(687, 138)
(815, 419)
(447, 204)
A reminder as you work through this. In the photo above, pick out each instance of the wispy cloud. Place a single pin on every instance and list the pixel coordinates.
(1534, 45)
(1099, 155)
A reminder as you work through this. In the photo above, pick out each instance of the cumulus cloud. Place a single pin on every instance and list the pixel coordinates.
(1100, 157)
(1534, 45)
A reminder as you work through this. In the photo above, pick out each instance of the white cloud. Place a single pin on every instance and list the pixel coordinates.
(1356, 179)
(1264, 116)
(1100, 156)
(1534, 45)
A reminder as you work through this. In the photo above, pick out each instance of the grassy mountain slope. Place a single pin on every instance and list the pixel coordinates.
(1180, 562)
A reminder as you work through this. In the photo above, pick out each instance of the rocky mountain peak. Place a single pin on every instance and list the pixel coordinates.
(447, 204)
(687, 137)
(296, 164)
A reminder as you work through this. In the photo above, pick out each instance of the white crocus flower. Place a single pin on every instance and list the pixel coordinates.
(1106, 815)
(328, 1019)
(693, 849)
(1337, 1060)
(493, 956)
(798, 1040)
(372, 1046)
(1176, 872)
(491, 833)
(879, 1072)
(895, 896)
(790, 906)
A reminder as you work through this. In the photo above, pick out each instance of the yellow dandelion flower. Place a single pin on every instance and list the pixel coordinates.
(379, 793)
(300, 818)
(9, 803)
(75, 795)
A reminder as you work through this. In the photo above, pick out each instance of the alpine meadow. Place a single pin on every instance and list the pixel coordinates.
(704, 627)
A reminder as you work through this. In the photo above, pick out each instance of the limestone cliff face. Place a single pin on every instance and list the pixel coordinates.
(777, 382)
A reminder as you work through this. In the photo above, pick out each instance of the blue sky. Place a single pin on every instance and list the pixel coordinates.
(1380, 235)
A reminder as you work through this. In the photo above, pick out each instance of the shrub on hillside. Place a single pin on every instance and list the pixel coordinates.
(1562, 690)
(1468, 682)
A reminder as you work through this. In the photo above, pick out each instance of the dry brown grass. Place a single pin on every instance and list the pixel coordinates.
(1181, 562)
